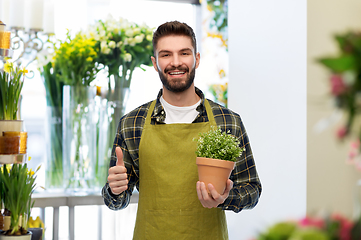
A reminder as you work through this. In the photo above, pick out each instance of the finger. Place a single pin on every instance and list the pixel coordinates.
(119, 153)
(118, 190)
(228, 188)
(199, 192)
(204, 191)
(213, 192)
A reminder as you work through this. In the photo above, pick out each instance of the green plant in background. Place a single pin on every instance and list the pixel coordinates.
(218, 145)
(54, 101)
(345, 84)
(18, 185)
(11, 84)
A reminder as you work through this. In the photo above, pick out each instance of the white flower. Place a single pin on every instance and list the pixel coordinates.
(127, 57)
(139, 38)
(119, 44)
(129, 32)
(149, 37)
(112, 44)
(136, 31)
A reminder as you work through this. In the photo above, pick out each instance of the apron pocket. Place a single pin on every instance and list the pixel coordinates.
(189, 224)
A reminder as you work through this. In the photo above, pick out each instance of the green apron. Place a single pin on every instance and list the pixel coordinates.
(168, 207)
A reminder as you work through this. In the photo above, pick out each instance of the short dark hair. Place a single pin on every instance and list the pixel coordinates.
(173, 28)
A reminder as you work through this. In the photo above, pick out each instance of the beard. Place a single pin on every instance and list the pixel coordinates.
(176, 86)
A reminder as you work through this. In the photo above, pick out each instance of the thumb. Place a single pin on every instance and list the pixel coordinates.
(119, 154)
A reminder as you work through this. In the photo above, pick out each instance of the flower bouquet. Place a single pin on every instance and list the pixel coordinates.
(76, 66)
(17, 184)
(121, 47)
(217, 153)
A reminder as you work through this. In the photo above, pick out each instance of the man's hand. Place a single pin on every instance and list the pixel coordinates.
(117, 178)
(215, 199)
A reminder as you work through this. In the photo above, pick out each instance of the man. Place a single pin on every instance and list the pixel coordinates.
(155, 152)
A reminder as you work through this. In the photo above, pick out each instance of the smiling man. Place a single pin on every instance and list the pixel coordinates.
(154, 151)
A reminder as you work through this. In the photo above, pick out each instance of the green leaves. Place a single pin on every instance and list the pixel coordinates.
(11, 84)
(17, 186)
(339, 64)
(218, 145)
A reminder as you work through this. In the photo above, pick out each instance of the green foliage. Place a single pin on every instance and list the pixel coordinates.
(345, 78)
(218, 145)
(18, 184)
(11, 84)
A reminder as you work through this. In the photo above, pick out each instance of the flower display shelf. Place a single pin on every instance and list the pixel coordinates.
(12, 158)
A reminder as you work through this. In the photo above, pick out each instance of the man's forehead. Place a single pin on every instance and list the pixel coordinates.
(174, 43)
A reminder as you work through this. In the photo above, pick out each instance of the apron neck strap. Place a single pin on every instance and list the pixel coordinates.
(206, 103)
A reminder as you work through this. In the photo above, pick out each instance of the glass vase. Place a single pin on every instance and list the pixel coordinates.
(54, 149)
(79, 138)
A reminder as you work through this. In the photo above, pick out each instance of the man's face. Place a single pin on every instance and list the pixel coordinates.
(176, 62)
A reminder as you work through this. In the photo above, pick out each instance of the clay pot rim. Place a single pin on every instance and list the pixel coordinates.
(215, 162)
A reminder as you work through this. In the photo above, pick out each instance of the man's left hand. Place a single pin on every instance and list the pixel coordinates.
(213, 199)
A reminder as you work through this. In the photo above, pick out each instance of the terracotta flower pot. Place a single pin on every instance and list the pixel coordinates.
(214, 171)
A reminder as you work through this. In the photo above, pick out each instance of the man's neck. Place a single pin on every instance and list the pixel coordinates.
(186, 98)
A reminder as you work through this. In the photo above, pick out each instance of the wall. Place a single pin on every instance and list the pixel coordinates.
(330, 181)
(267, 49)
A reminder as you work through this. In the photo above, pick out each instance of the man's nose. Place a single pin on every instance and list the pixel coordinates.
(176, 61)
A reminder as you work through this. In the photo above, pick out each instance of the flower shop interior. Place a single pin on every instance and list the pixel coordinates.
(289, 68)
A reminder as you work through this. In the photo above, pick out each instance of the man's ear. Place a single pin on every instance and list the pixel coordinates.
(198, 59)
(154, 61)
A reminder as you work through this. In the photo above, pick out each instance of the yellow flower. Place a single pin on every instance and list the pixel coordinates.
(89, 59)
(8, 67)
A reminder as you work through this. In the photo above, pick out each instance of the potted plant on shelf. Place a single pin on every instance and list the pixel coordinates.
(216, 153)
(17, 184)
(11, 84)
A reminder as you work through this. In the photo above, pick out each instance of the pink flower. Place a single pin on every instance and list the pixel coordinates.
(312, 222)
(342, 132)
(345, 226)
(337, 85)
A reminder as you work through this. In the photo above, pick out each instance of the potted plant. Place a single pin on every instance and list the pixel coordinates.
(216, 153)
(17, 184)
(11, 84)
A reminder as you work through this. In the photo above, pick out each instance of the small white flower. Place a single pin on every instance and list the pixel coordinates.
(127, 57)
(139, 38)
(119, 44)
(129, 32)
(149, 37)
(112, 44)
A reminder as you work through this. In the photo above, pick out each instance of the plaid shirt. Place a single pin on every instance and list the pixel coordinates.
(246, 184)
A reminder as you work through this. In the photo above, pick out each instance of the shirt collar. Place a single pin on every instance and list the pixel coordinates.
(159, 113)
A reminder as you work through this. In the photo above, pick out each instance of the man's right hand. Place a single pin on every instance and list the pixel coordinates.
(117, 178)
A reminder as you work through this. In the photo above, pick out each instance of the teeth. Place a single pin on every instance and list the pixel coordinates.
(176, 73)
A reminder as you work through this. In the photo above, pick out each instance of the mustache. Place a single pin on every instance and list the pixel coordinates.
(176, 68)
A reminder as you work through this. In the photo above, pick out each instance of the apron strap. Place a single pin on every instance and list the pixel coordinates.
(206, 103)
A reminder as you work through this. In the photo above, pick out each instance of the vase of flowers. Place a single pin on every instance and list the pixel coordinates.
(17, 184)
(77, 68)
(121, 46)
(54, 112)
(216, 153)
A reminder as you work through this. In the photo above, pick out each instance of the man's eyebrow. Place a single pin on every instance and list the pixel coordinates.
(181, 50)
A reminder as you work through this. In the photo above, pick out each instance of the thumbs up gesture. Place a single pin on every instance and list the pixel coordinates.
(117, 178)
